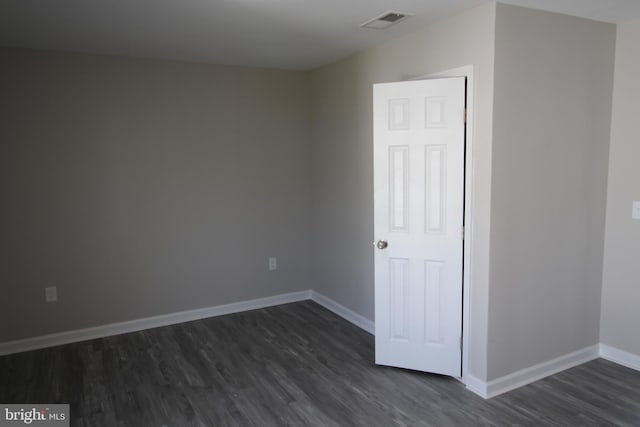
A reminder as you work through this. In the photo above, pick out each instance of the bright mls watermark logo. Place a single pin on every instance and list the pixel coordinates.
(36, 415)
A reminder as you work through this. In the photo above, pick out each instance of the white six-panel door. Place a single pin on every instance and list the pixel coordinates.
(419, 136)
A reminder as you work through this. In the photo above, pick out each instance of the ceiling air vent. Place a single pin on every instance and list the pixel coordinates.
(386, 20)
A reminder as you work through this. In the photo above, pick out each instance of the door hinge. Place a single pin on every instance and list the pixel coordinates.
(460, 343)
(463, 232)
(465, 114)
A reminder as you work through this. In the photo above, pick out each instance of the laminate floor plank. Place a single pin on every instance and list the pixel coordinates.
(290, 365)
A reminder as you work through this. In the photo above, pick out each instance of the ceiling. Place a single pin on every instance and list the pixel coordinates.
(294, 34)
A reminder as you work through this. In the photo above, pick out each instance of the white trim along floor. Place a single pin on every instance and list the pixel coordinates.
(482, 388)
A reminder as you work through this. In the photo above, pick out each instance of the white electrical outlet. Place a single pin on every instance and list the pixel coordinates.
(635, 210)
(51, 294)
(273, 263)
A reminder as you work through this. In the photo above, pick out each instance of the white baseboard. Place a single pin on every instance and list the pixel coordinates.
(620, 357)
(537, 372)
(61, 338)
(476, 385)
(67, 337)
(542, 370)
(482, 388)
(344, 312)
(534, 373)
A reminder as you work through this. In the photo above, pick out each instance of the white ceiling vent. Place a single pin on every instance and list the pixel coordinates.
(386, 20)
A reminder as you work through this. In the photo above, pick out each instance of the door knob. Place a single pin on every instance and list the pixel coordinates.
(381, 244)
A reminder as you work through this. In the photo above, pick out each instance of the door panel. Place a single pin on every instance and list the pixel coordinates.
(418, 194)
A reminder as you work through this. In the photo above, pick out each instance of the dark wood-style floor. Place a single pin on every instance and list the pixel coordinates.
(292, 365)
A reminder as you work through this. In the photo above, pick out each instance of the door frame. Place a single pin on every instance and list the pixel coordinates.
(465, 71)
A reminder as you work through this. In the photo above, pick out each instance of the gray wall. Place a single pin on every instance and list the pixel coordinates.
(621, 278)
(552, 109)
(146, 187)
(342, 158)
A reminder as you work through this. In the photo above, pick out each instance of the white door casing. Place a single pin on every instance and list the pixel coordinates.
(419, 137)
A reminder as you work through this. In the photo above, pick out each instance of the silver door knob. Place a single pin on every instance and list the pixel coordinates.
(381, 244)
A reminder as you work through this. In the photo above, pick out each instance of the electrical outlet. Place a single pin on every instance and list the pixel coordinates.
(273, 263)
(51, 294)
(635, 210)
